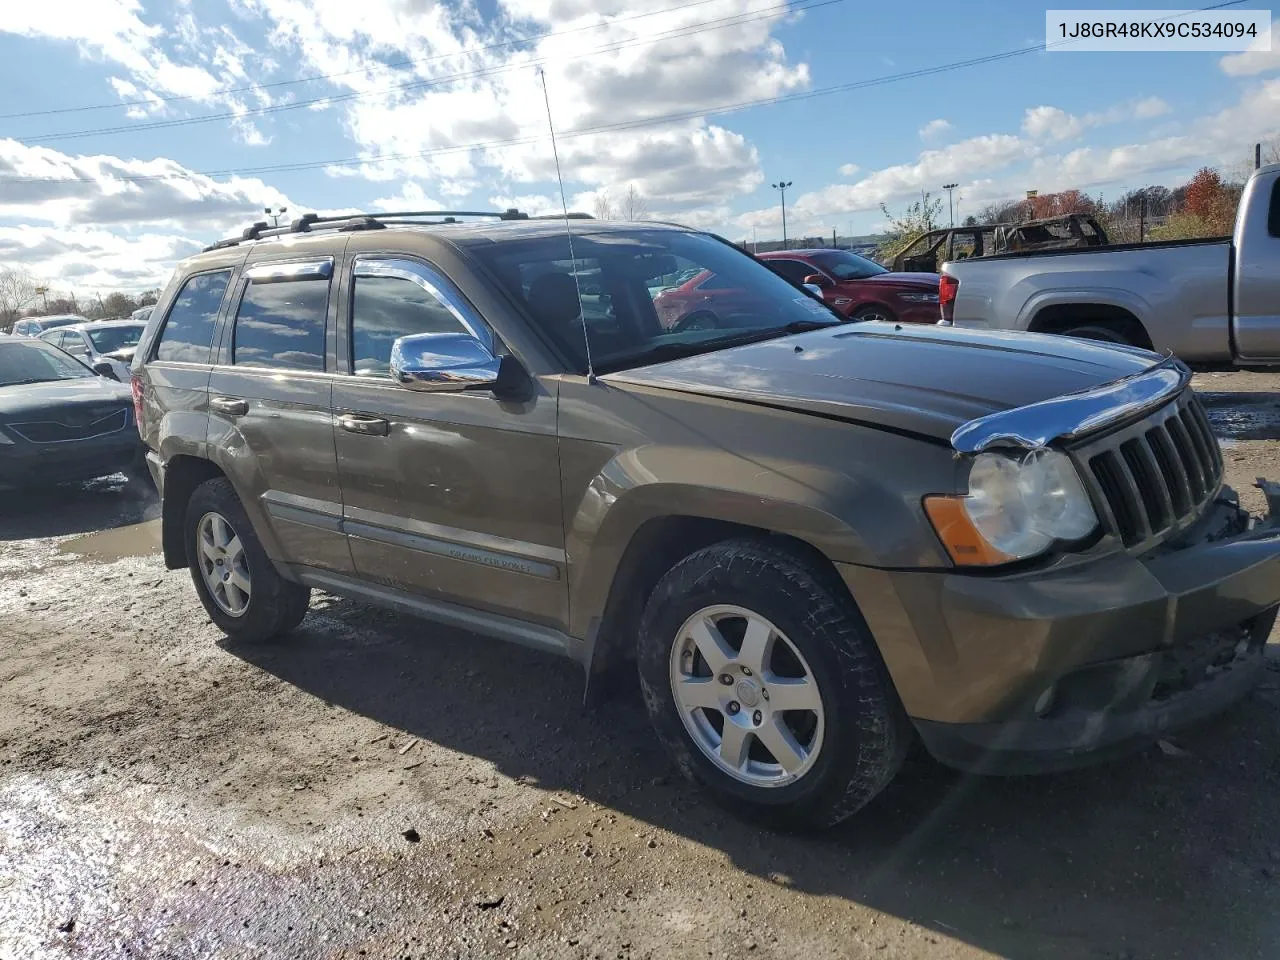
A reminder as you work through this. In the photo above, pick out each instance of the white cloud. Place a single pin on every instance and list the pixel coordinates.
(1055, 123)
(601, 71)
(1257, 59)
(92, 258)
(849, 169)
(934, 129)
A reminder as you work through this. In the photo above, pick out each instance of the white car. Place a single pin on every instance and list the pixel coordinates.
(110, 342)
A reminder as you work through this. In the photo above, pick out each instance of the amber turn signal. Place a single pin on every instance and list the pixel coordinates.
(958, 534)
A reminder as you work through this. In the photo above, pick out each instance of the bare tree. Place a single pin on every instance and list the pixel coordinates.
(603, 207)
(17, 289)
(634, 205)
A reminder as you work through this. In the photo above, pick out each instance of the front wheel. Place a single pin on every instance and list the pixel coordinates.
(874, 311)
(766, 687)
(237, 583)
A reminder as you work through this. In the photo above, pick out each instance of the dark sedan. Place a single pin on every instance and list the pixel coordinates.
(61, 421)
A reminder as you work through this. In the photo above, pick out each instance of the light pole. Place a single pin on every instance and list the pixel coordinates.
(781, 187)
(950, 208)
(276, 214)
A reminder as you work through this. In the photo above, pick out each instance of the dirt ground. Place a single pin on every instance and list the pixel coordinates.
(377, 786)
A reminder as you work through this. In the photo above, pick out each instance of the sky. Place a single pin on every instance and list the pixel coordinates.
(134, 132)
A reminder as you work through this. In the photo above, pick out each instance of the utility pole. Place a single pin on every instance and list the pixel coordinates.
(755, 246)
(276, 214)
(44, 292)
(781, 187)
(950, 208)
(1257, 155)
(1142, 218)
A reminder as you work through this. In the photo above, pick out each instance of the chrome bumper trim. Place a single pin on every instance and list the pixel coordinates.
(1076, 414)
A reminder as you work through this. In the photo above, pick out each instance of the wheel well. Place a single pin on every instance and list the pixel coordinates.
(1063, 316)
(657, 546)
(181, 477)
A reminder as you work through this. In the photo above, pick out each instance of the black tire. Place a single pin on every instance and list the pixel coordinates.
(1119, 331)
(873, 311)
(276, 605)
(866, 733)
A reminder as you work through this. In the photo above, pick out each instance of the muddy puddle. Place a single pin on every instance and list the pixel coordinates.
(134, 540)
(1243, 416)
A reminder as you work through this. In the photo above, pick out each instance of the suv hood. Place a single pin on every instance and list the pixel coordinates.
(919, 379)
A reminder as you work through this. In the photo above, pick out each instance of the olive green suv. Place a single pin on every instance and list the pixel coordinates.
(814, 541)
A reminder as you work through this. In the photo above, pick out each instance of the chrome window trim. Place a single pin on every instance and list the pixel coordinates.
(1076, 414)
(278, 271)
(429, 279)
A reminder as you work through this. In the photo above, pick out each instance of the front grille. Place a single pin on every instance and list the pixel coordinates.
(80, 428)
(1155, 476)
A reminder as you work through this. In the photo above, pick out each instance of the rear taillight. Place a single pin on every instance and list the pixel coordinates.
(947, 287)
(135, 383)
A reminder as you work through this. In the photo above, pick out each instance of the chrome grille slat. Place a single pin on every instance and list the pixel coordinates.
(54, 431)
(1155, 476)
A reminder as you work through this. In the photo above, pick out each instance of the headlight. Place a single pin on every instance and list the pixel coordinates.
(1015, 508)
(4, 439)
(923, 297)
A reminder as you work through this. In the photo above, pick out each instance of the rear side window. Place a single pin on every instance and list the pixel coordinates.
(188, 332)
(280, 325)
(1273, 215)
(387, 308)
(792, 270)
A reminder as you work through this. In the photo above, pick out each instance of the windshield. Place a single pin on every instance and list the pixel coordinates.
(110, 339)
(648, 295)
(34, 361)
(844, 265)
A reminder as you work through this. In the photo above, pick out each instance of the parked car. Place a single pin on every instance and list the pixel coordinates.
(928, 250)
(814, 541)
(1215, 301)
(34, 326)
(61, 421)
(105, 345)
(142, 314)
(859, 288)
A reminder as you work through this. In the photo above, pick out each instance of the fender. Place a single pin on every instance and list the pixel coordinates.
(847, 518)
(1103, 296)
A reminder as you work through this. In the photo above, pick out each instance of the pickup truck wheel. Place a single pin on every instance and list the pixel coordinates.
(766, 687)
(237, 583)
(1094, 331)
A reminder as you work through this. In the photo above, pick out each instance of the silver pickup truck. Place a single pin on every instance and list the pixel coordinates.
(1210, 301)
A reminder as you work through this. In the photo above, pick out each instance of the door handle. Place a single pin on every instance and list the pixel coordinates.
(231, 406)
(370, 426)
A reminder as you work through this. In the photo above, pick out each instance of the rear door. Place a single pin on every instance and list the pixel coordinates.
(270, 420)
(454, 496)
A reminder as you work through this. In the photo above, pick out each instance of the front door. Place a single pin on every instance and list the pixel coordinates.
(455, 496)
(1256, 280)
(269, 408)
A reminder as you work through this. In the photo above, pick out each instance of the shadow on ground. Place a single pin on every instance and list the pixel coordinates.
(64, 509)
(1156, 856)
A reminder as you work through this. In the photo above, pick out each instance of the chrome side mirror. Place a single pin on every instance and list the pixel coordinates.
(443, 363)
(814, 289)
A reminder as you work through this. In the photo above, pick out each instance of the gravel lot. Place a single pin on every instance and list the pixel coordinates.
(377, 786)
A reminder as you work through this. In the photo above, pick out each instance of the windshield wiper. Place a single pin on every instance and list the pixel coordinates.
(676, 351)
(30, 380)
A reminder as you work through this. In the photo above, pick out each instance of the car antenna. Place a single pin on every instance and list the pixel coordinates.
(564, 205)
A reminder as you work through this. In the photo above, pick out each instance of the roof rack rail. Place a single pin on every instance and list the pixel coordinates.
(310, 222)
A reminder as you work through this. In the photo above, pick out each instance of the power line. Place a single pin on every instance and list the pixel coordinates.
(673, 34)
(575, 132)
(394, 65)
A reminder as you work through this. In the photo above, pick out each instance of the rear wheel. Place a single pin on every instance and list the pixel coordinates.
(766, 687)
(1103, 332)
(239, 586)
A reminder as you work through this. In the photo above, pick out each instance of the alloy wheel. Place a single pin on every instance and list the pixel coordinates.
(223, 564)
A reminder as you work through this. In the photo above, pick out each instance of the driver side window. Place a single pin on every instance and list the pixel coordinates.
(393, 299)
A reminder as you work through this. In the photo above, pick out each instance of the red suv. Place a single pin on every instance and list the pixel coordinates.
(859, 288)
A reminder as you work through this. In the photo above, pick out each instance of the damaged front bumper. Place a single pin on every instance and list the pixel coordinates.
(1055, 668)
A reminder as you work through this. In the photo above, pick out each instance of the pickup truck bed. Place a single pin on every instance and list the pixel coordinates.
(1211, 300)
